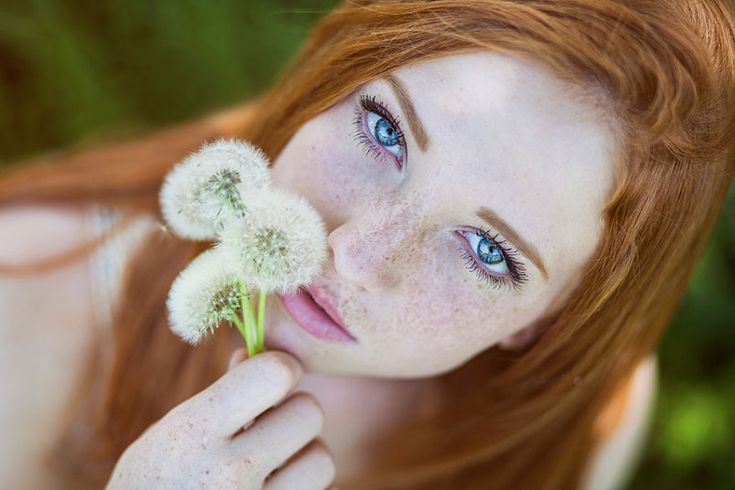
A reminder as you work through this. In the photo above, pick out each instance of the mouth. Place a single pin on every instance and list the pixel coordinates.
(316, 315)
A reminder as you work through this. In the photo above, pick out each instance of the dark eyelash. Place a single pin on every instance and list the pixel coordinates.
(371, 103)
(516, 268)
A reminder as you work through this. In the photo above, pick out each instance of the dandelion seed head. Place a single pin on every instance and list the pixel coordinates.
(203, 295)
(281, 246)
(204, 189)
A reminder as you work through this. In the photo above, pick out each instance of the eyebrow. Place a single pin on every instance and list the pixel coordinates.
(414, 123)
(527, 249)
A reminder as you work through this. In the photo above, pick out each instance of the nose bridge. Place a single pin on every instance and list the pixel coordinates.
(373, 247)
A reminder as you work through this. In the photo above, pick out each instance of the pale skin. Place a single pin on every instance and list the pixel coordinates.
(498, 133)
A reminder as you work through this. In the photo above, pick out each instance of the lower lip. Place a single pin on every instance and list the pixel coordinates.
(312, 318)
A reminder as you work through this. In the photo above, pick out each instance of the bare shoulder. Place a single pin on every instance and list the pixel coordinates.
(45, 328)
(31, 232)
(616, 458)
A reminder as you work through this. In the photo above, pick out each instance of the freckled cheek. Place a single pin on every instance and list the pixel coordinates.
(442, 300)
(448, 313)
(308, 167)
(332, 170)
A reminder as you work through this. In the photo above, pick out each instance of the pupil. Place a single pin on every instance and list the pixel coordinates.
(489, 252)
(385, 133)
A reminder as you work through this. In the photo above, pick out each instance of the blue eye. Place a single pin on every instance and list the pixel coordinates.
(378, 132)
(489, 253)
(491, 261)
(384, 133)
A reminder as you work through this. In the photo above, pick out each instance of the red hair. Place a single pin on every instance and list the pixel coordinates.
(523, 420)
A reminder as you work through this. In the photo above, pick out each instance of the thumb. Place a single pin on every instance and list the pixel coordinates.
(237, 357)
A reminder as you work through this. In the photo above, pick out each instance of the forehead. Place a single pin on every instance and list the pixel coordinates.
(520, 140)
(497, 96)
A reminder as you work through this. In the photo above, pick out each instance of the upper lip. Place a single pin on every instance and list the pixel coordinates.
(322, 298)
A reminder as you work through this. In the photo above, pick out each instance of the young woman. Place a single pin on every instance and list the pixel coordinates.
(515, 194)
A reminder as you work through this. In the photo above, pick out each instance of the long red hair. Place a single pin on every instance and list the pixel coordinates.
(506, 420)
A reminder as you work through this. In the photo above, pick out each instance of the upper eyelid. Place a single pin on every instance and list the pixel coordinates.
(517, 269)
(371, 103)
(470, 253)
(392, 117)
(507, 250)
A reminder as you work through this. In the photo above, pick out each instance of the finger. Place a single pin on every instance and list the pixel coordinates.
(249, 389)
(281, 432)
(312, 468)
(237, 357)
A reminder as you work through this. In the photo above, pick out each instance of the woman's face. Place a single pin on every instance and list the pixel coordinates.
(406, 171)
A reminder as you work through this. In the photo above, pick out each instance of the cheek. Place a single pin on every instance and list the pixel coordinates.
(307, 164)
(448, 318)
(443, 310)
(322, 163)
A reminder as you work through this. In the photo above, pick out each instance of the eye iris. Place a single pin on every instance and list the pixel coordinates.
(385, 133)
(489, 252)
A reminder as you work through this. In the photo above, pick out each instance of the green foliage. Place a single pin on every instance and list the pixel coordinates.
(73, 72)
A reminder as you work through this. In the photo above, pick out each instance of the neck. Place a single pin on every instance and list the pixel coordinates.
(359, 410)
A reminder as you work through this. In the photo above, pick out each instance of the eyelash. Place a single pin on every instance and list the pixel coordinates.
(370, 103)
(516, 270)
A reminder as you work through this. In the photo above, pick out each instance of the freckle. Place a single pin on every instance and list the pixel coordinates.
(204, 446)
(211, 399)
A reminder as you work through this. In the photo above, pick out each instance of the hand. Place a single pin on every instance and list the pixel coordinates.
(214, 440)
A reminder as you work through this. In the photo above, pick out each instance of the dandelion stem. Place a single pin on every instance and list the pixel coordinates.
(261, 320)
(249, 317)
(235, 318)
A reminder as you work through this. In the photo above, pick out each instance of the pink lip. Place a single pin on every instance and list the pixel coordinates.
(315, 315)
(320, 299)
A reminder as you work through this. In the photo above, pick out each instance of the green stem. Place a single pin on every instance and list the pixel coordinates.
(261, 320)
(249, 317)
(235, 318)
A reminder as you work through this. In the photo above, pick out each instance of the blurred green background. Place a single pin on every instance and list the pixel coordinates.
(79, 72)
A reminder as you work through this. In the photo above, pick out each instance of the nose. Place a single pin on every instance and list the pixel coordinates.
(376, 246)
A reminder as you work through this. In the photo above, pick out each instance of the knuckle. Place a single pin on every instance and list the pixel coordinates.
(281, 367)
(252, 462)
(309, 404)
(308, 400)
(184, 423)
(180, 414)
(184, 416)
(323, 459)
(255, 461)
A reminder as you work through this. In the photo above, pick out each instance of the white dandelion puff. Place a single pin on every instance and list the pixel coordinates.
(205, 293)
(200, 192)
(282, 244)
